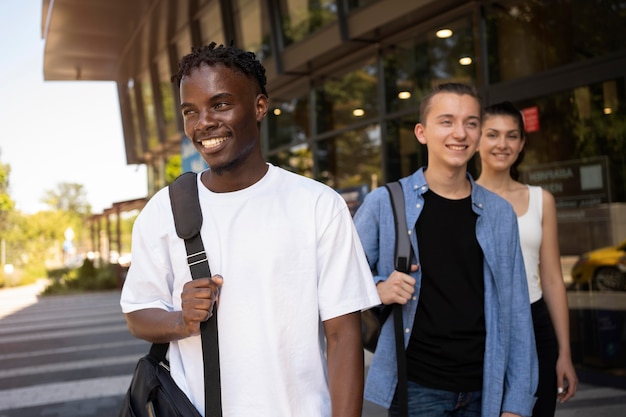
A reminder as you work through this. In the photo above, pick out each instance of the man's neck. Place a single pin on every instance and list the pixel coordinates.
(235, 180)
(451, 184)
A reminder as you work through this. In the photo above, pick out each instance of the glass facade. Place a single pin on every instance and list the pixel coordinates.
(347, 119)
(211, 26)
(344, 99)
(350, 159)
(528, 37)
(300, 18)
(253, 27)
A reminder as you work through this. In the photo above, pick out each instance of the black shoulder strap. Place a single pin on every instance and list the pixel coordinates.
(188, 222)
(403, 244)
(402, 264)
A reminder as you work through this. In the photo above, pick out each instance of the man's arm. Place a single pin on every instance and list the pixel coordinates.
(161, 326)
(345, 364)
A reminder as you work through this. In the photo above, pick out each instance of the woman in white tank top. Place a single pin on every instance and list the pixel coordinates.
(501, 151)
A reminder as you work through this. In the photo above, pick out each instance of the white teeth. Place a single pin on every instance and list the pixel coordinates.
(213, 142)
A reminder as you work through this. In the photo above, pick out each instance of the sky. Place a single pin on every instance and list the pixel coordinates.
(54, 132)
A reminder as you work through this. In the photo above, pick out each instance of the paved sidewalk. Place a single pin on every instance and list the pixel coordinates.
(71, 356)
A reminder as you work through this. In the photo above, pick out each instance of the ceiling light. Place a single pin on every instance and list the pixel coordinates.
(466, 60)
(404, 95)
(277, 112)
(358, 112)
(608, 110)
(444, 33)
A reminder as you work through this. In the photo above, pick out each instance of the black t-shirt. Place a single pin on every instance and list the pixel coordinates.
(447, 343)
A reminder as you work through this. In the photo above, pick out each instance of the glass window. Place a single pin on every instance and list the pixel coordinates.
(149, 111)
(139, 138)
(170, 108)
(405, 154)
(183, 43)
(355, 4)
(582, 123)
(298, 159)
(303, 17)
(345, 99)
(288, 122)
(351, 159)
(445, 53)
(523, 38)
(253, 27)
(211, 27)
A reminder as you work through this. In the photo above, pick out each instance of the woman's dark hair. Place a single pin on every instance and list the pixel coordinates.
(229, 56)
(506, 108)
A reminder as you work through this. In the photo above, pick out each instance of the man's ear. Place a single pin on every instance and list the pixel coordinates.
(419, 133)
(261, 107)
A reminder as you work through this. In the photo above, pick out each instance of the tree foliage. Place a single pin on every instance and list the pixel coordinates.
(70, 197)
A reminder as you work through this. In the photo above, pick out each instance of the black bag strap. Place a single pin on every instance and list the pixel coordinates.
(402, 264)
(188, 222)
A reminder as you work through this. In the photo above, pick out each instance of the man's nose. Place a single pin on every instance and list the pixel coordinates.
(205, 120)
(460, 131)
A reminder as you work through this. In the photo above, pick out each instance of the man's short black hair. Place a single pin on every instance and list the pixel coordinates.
(229, 56)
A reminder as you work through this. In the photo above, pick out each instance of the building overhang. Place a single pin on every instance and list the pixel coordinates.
(86, 40)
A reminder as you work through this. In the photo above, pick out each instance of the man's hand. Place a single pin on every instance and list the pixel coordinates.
(398, 288)
(197, 300)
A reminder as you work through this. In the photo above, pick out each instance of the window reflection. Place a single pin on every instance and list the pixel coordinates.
(168, 105)
(288, 122)
(351, 159)
(139, 141)
(522, 40)
(355, 4)
(149, 112)
(412, 67)
(253, 27)
(576, 124)
(298, 159)
(346, 99)
(303, 17)
(211, 28)
(404, 152)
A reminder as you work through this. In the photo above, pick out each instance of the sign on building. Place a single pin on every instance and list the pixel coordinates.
(575, 184)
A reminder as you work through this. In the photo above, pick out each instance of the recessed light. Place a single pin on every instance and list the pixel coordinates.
(444, 33)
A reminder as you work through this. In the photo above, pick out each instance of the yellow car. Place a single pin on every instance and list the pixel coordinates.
(601, 269)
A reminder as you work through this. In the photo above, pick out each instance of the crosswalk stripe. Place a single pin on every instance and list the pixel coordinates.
(63, 391)
(73, 349)
(69, 366)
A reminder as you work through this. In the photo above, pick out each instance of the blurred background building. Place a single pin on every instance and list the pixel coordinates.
(345, 79)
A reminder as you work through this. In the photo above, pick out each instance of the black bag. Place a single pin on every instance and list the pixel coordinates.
(373, 318)
(371, 322)
(153, 392)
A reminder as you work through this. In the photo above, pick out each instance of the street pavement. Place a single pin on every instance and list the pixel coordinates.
(72, 356)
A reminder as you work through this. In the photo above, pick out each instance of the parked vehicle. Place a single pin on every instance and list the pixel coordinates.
(602, 269)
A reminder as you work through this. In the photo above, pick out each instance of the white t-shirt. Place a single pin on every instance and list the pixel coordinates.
(290, 258)
(530, 233)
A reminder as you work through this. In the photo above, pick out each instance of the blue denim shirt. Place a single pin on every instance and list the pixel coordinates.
(510, 363)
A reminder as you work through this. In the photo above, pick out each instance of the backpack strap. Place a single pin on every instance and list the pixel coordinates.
(188, 222)
(403, 244)
(402, 264)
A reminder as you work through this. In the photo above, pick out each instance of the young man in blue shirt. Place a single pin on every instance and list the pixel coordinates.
(468, 332)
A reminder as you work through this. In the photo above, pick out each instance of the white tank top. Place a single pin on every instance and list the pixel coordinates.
(530, 232)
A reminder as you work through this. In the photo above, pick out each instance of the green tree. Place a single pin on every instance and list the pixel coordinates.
(70, 197)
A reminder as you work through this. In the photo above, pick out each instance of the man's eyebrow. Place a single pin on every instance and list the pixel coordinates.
(219, 96)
